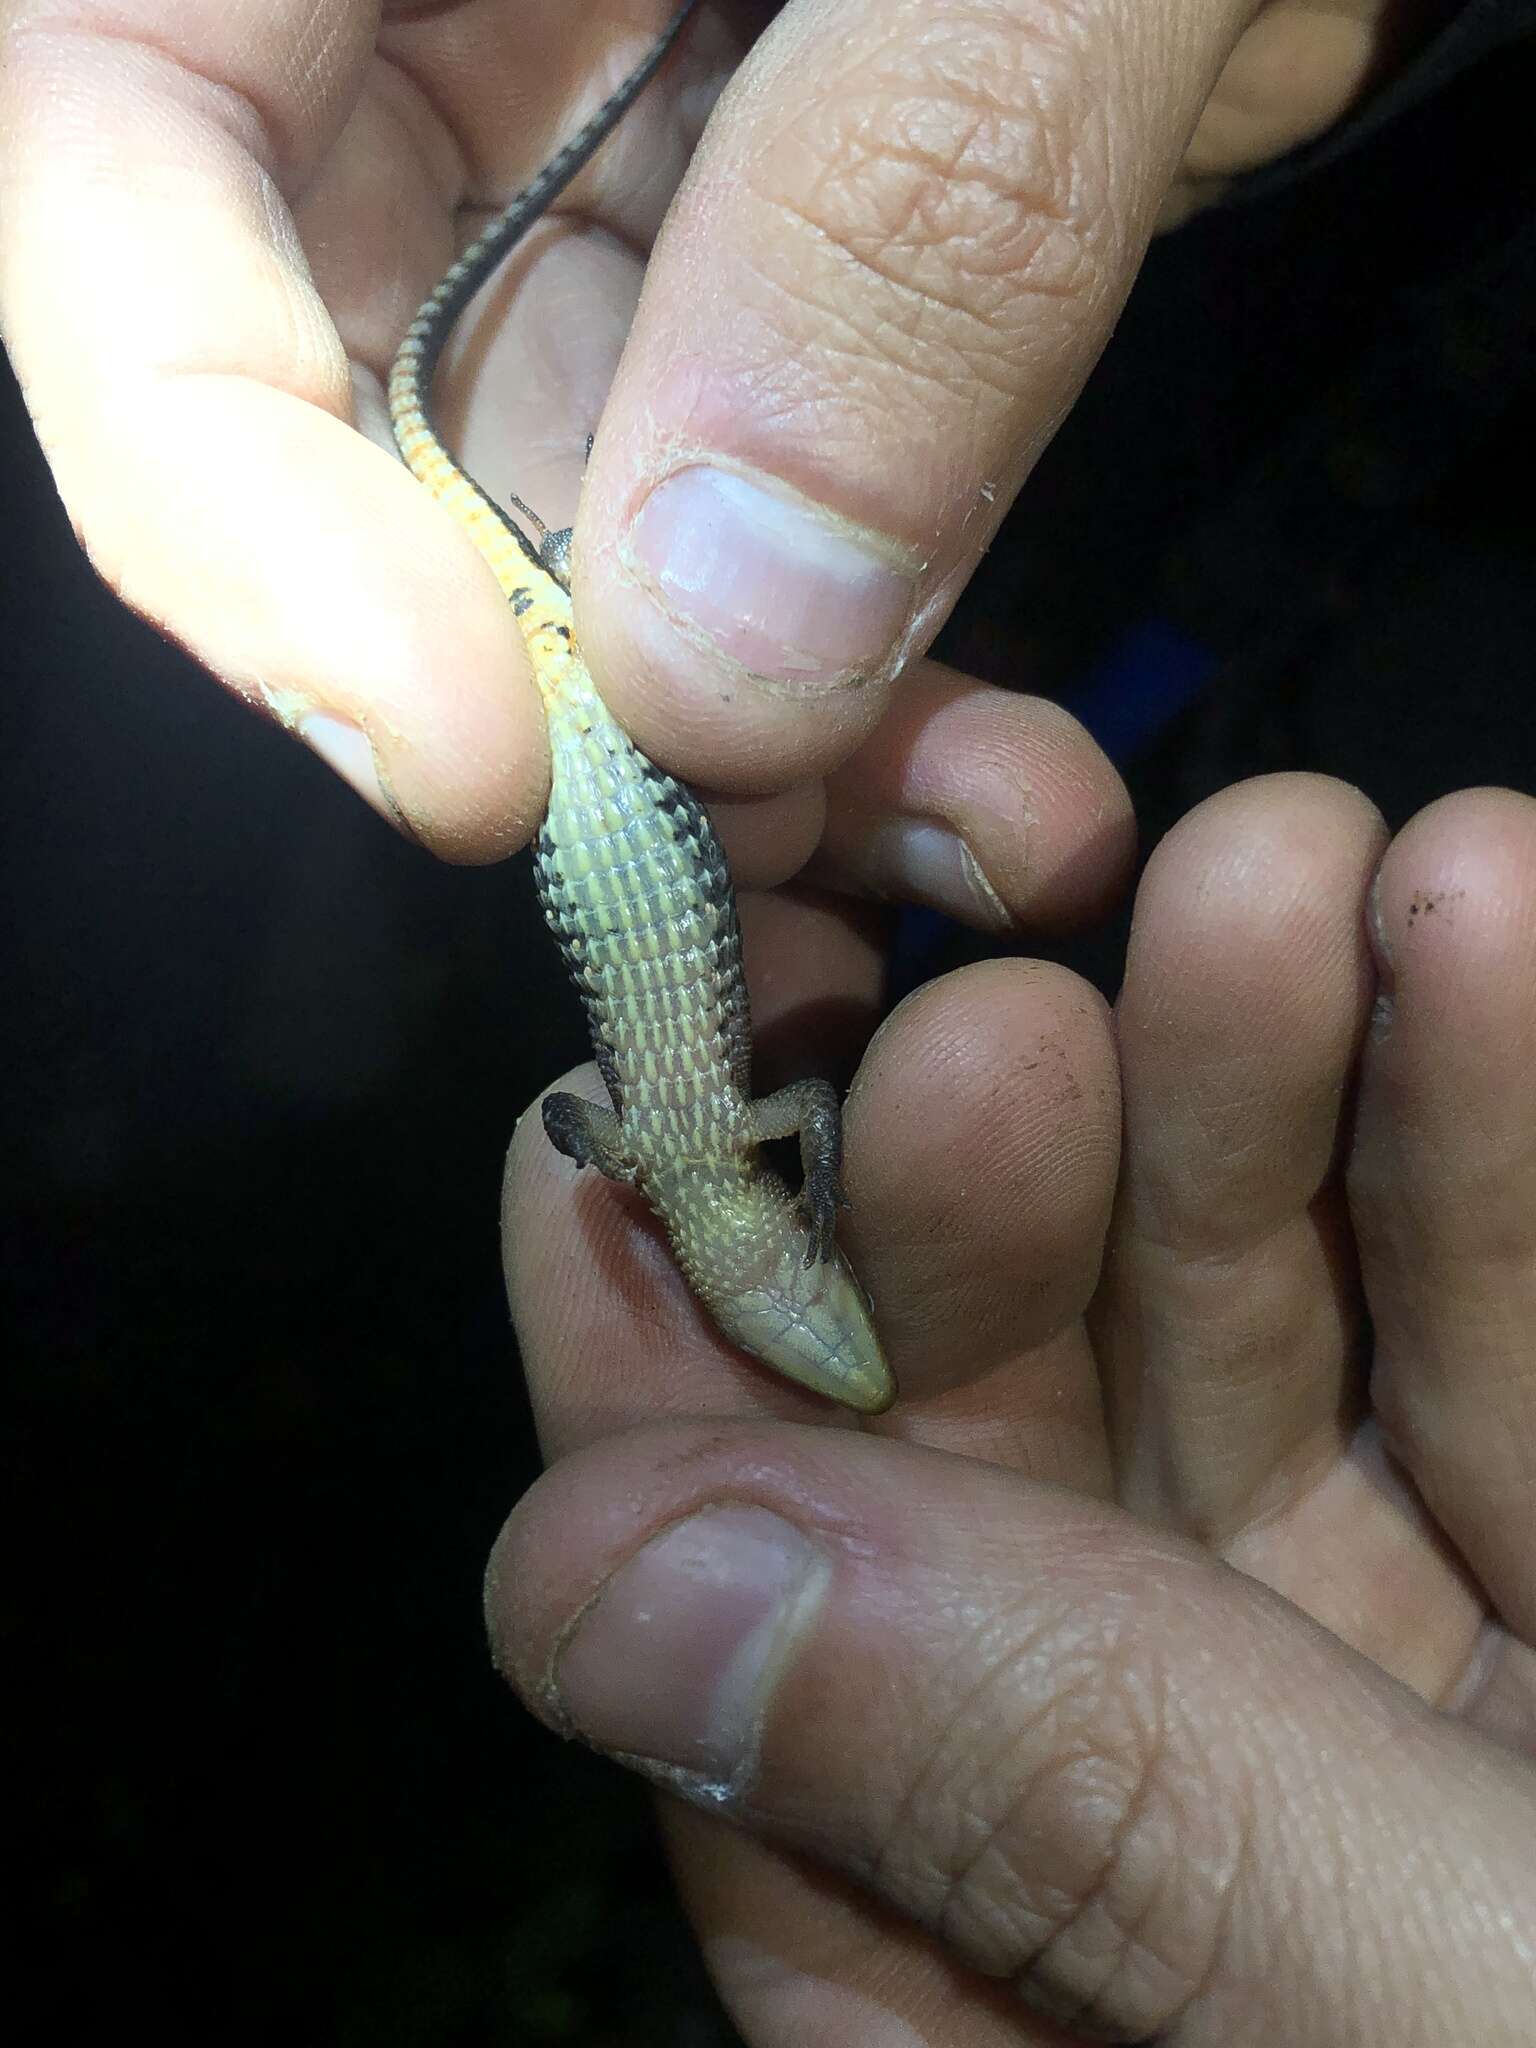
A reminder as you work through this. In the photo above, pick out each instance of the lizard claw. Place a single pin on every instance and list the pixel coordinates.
(820, 1200)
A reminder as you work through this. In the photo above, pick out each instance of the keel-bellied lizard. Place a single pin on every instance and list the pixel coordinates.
(636, 889)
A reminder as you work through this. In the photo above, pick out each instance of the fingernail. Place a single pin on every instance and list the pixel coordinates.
(919, 861)
(346, 749)
(679, 1657)
(772, 580)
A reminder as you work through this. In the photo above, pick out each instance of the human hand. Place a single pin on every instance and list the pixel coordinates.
(1166, 1655)
(900, 250)
(218, 223)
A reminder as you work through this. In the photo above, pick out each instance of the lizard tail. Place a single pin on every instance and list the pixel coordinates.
(503, 543)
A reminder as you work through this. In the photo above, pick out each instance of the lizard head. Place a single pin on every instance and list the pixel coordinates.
(812, 1324)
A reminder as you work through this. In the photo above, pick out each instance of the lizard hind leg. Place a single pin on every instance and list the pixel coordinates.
(555, 541)
(810, 1111)
(554, 550)
(590, 1134)
(555, 554)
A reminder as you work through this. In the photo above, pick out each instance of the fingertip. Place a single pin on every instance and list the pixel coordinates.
(983, 1132)
(995, 808)
(817, 969)
(1465, 867)
(1277, 866)
(1453, 929)
(1247, 987)
(330, 588)
(769, 839)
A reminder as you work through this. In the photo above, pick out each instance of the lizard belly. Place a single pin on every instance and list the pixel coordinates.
(648, 936)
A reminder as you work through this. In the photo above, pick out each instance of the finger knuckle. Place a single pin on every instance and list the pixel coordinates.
(1066, 1833)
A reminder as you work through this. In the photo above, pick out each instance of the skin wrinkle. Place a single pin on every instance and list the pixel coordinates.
(925, 299)
(311, 51)
(914, 79)
(961, 63)
(1308, 1787)
(1211, 1231)
(1098, 1891)
(1091, 2009)
(854, 164)
(894, 138)
(1219, 1895)
(866, 351)
(432, 138)
(882, 1864)
(1173, 1240)
(954, 1906)
(1303, 1453)
(979, 1769)
(1076, 1903)
(953, 54)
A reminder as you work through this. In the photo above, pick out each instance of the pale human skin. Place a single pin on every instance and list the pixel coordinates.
(1023, 1689)
(1028, 1730)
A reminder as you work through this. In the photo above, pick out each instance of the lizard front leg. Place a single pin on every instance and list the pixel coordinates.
(591, 1134)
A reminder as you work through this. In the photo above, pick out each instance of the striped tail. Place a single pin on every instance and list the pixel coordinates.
(508, 550)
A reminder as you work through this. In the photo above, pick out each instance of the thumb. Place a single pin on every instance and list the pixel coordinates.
(1079, 1753)
(903, 242)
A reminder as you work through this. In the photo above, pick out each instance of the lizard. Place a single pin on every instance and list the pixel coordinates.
(634, 884)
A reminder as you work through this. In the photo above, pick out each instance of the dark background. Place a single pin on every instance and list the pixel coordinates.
(259, 1061)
